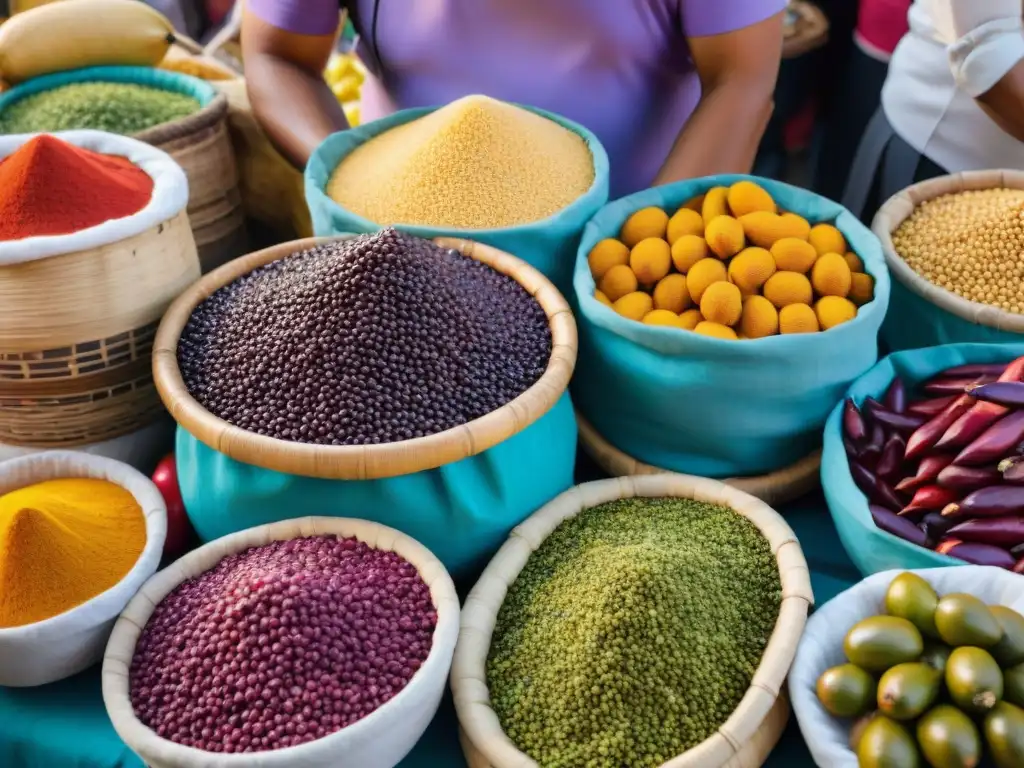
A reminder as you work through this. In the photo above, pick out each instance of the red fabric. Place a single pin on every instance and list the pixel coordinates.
(218, 10)
(881, 23)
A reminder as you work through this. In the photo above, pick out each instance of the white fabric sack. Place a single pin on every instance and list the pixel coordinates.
(170, 196)
(50, 650)
(821, 646)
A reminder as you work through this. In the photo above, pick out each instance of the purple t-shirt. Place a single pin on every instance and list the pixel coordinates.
(619, 67)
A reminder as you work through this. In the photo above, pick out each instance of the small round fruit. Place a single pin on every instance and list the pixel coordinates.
(690, 319)
(650, 260)
(834, 310)
(912, 598)
(722, 303)
(827, 239)
(716, 330)
(750, 269)
(645, 223)
(702, 274)
(634, 305)
(662, 317)
(794, 255)
(617, 282)
(831, 275)
(880, 642)
(853, 261)
(605, 255)
(724, 236)
(785, 288)
(846, 691)
(602, 298)
(862, 288)
(948, 738)
(759, 318)
(687, 251)
(684, 222)
(672, 294)
(798, 318)
(973, 680)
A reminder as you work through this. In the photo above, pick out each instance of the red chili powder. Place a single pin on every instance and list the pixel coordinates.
(50, 187)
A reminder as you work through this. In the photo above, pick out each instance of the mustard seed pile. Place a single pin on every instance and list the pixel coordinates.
(970, 243)
(474, 164)
(377, 339)
(281, 644)
(632, 633)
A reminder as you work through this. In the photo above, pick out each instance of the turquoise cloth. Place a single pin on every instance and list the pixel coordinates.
(65, 725)
(913, 323)
(714, 407)
(870, 548)
(462, 512)
(549, 245)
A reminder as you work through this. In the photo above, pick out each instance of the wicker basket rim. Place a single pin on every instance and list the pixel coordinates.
(469, 679)
(207, 117)
(366, 462)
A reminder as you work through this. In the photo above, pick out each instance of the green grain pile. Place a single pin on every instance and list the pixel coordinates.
(632, 633)
(115, 107)
(474, 164)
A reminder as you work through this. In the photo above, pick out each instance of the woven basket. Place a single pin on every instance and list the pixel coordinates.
(778, 487)
(365, 462)
(379, 740)
(752, 730)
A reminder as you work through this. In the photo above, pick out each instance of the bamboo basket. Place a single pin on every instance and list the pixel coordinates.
(753, 729)
(366, 462)
(379, 740)
(777, 487)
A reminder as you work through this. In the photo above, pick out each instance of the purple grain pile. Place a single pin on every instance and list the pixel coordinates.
(281, 644)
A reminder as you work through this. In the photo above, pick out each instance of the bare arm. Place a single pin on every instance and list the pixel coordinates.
(1004, 102)
(737, 73)
(284, 76)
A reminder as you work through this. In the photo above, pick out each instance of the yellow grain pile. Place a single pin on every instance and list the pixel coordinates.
(970, 243)
(475, 164)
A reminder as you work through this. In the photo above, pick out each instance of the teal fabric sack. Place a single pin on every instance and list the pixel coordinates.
(872, 549)
(549, 244)
(462, 512)
(713, 407)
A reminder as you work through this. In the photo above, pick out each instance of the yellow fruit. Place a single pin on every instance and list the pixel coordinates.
(785, 288)
(862, 288)
(826, 239)
(830, 275)
(794, 255)
(690, 318)
(764, 229)
(798, 318)
(687, 251)
(684, 222)
(645, 223)
(834, 310)
(605, 255)
(617, 282)
(346, 89)
(854, 262)
(650, 260)
(715, 204)
(759, 318)
(724, 236)
(747, 197)
(695, 203)
(750, 269)
(722, 303)
(352, 115)
(718, 331)
(662, 317)
(634, 305)
(671, 293)
(602, 298)
(702, 274)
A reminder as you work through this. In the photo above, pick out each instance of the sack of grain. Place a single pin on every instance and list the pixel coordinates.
(522, 180)
(718, 407)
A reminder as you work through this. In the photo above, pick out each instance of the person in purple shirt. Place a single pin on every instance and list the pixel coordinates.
(673, 88)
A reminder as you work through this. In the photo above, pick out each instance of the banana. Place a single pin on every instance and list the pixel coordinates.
(82, 33)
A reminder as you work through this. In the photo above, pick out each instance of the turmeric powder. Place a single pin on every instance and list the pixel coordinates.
(62, 543)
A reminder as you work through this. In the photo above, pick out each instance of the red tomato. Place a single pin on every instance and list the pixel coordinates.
(179, 529)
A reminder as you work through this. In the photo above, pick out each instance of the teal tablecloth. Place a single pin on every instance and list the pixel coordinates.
(65, 724)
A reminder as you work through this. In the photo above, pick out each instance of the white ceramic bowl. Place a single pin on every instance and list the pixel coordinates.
(379, 740)
(66, 644)
(822, 645)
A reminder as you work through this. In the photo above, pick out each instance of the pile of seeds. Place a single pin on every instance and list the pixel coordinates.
(281, 644)
(378, 339)
(970, 243)
(114, 107)
(632, 633)
(475, 164)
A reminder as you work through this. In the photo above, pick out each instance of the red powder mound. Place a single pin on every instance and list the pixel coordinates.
(50, 187)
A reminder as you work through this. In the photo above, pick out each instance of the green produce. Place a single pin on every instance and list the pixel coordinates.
(936, 655)
(948, 738)
(1009, 651)
(858, 728)
(632, 633)
(965, 620)
(887, 744)
(907, 690)
(974, 680)
(880, 642)
(912, 598)
(846, 691)
(1004, 732)
(1013, 685)
(115, 107)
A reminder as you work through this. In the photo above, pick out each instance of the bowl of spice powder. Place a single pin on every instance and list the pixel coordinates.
(79, 534)
(311, 642)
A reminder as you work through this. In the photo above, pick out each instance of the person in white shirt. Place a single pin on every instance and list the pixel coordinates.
(953, 100)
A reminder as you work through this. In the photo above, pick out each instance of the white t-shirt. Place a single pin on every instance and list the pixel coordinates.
(955, 50)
